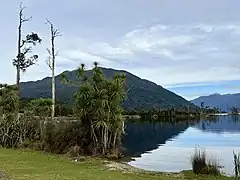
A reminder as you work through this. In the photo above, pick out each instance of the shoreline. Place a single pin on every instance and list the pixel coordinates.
(127, 168)
(29, 164)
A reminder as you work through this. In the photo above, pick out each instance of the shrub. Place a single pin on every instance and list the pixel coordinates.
(41, 107)
(59, 137)
(201, 165)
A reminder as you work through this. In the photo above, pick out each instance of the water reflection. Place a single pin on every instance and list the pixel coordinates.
(167, 147)
(227, 124)
(144, 136)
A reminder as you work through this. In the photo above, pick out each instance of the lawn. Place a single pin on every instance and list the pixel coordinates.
(32, 165)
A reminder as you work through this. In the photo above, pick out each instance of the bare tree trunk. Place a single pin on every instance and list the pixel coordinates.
(19, 51)
(102, 139)
(114, 141)
(20, 44)
(51, 64)
(105, 139)
(53, 75)
(110, 140)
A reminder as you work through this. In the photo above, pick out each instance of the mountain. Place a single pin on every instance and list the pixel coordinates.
(142, 93)
(224, 102)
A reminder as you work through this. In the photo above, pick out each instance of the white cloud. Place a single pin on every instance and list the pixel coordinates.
(83, 57)
(106, 49)
(165, 54)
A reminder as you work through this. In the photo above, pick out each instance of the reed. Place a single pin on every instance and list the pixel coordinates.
(202, 165)
(236, 158)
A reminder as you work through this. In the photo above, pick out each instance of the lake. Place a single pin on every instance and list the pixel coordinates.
(167, 147)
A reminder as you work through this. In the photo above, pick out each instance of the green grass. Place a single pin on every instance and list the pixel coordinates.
(29, 165)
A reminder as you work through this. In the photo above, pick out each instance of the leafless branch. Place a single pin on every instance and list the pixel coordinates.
(55, 32)
(56, 54)
(23, 18)
(23, 42)
(48, 62)
(21, 7)
(48, 22)
(49, 51)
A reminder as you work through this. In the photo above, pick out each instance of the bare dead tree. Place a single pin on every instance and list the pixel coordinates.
(22, 62)
(51, 62)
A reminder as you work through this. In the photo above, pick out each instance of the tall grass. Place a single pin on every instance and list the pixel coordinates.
(198, 160)
(202, 165)
(236, 158)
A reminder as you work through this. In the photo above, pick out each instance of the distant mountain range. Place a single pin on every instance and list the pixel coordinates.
(224, 102)
(142, 93)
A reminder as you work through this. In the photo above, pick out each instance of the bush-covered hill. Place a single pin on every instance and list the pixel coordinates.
(141, 93)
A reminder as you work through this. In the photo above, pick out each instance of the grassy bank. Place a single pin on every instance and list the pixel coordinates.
(28, 164)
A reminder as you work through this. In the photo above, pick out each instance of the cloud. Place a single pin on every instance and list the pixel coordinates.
(169, 54)
(107, 50)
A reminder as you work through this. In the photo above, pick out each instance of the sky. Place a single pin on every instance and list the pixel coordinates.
(190, 47)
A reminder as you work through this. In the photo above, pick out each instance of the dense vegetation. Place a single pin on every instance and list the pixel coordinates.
(96, 129)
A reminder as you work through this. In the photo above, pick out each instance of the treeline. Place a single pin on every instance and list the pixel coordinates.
(164, 112)
(60, 109)
(183, 111)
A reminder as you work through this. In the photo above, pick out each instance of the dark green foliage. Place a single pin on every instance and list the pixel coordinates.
(41, 107)
(63, 110)
(161, 113)
(201, 165)
(33, 38)
(141, 94)
(59, 137)
(15, 128)
(60, 109)
(22, 61)
(33, 128)
(8, 98)
(10, 122)
(97, 105)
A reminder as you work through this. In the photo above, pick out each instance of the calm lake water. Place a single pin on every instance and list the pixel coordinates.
(168, 147)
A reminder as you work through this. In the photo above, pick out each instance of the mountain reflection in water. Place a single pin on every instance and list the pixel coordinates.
(167, 147)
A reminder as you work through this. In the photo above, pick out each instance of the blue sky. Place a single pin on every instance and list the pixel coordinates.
(191, 47)
(193, 90)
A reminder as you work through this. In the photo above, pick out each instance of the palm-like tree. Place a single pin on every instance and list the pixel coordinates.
(97, 104)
